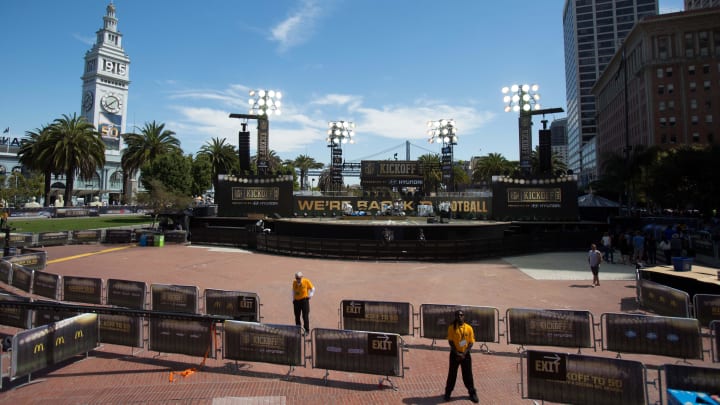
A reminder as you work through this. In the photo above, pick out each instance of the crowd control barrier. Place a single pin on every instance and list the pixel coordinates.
(174, 298)
(715, 340)
(550, 327)
(707, 308)
(659, 335)
(377, 316)
(251, 341)
(359, 352)
(663, 300)
(238, 305)
(676, 380)
(579, 379)
(436, 318)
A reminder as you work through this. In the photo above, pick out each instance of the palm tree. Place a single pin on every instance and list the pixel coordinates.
(31, 156)
(432, 175)
(152, 141)
(222, 156)
(304, 163)
(557, 165)
(494, 164)
(273, 160)
(74, 147)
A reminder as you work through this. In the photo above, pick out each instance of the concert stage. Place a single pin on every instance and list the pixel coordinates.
(699, 280)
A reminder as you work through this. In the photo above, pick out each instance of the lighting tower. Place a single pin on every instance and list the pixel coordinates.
(523, 99)
(444, 132)
(339, 132)
(264, 103)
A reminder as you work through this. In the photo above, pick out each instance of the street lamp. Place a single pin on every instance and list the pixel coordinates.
(265, 102)
(339, 132)
(444, 131)
(525, 100)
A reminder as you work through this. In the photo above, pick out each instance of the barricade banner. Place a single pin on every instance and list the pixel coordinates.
(41, 347)
(377, 316)
(5, 271)
(240, 306)
(579, 379)
(22, 278)
(46, 285)
(128, 294)
(34, 260)
(549, 327)
(194, 338)
(118, 236)
(174, 298)
(664, 300)
(707, 308)
(435, 320)
(53, 238)
(175, 236)
(46, 317)
(660, 335)
(17, 239)
(691, 378)
(250, 341)
(360, 352)
(86, 236)
(82, 289)
(120, 330)
(17, 317)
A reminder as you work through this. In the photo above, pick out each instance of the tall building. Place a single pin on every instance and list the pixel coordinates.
(106, 80)
(669, 73)
(558, 139)
(695, 4)
(593, 32)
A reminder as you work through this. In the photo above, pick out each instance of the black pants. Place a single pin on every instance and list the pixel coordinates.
(466, 367)
(302, 306)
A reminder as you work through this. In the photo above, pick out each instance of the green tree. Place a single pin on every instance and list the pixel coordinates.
(460, 177)
(222, 156)
(33, 155)
(304, 163)
(75, 148)
(432, 175)
(494, 164)
(557, 165)
(201, 174)
(152, 141)
(172, 170)
(274, 162)
(159, 199)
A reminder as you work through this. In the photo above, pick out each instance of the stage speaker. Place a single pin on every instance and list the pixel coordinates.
(244, 150)
(545, 147)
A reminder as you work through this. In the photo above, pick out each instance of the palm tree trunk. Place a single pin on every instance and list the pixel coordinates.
(69, 184)
(48, 185)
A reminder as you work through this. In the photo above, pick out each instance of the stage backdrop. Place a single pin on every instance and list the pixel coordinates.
(253, 195)
(549, 199)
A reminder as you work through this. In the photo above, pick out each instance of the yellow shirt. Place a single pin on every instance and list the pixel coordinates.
(303, 289)
(461, 337)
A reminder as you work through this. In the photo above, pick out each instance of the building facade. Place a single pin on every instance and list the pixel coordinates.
(593, 32)
(695, 4)
(664, 89)
(558, 139)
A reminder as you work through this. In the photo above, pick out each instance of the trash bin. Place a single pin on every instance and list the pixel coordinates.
(159, 240)
(682, 263)
(143, 240)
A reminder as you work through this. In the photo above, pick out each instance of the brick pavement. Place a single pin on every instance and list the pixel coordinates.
(113, 374)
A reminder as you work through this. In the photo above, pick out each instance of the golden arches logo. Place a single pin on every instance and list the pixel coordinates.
(79, 334)
(39, 348)
(59, 341)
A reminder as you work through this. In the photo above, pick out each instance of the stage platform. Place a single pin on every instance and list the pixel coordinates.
(699, 280)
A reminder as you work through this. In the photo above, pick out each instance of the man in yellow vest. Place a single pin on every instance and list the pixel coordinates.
(461, 338)
(302, 290)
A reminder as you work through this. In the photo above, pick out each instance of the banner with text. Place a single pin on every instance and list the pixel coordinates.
(125, 293)
(265, 343)
(549, 327)
(194, 338)
(118, 236)
(120, 330)
(707, 308)
(174, 298)
(86, 236)
(34, 260)
(17, 317)
(82, 289)
(5, 271)
(46, 285)
(53, 238)
(691, 378)
(435, 320)
(238, 305)
(22, 278)
(360, 352)
(377, 316)
(660, 335)
(663, 300)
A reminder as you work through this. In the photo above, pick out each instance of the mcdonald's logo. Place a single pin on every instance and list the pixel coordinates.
(217, 304)
(39, 348)
(78, 334)
(59, 341)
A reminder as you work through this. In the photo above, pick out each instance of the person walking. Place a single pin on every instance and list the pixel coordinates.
(607, 248)
(594, 259)
(302, 291)
(461, 338)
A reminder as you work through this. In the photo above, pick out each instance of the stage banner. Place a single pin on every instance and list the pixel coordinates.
(715, 340)
(660, 335)
(118, 235)
(549, 327)
(86, 236)
(435, 320)
(360, 352)
(690, 378)
(377, 316)
(53, 238)
(240, 306)
(578, 379)
(41, 347)
(5, 271)
(46, 285)
(265, 343)
(22, 278)
(664, 300)
(17, 317)
(120, 330)
(34, 260)
(128, 294)
(82, 289)
(174, 298)
(194, 338)
(707, 308)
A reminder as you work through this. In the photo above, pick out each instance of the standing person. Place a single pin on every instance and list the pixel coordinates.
(594, 259)
(302, 290)
(664, 245)
(638, 243)
(607, 248)
(461, 338)
(651, 249)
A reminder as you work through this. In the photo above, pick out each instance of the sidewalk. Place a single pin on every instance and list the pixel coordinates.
(115, 374)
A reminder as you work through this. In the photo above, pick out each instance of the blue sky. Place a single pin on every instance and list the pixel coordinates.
(387, 65)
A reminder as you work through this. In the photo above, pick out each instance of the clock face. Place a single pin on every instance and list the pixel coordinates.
(111, 103)
(87, 101)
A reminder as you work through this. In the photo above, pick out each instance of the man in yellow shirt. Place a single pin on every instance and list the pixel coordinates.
(302, 290)
(461, 338)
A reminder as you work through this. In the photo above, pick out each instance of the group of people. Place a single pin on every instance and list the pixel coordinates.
(460, 336)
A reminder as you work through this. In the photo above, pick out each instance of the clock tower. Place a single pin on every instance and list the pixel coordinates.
(105, 85)
(104, 101)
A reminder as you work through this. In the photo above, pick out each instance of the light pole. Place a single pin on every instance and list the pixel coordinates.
(523, 99)
(444, 132)
(264, 103)
(339, 132)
